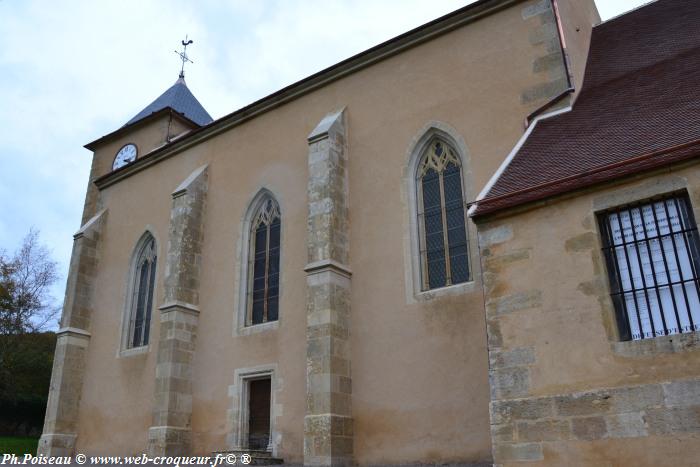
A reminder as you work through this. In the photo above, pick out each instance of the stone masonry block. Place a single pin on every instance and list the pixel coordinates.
(503, 433)
(495, 235)
(495, 338)
(514, 452)
(626, 425)
(514, 302)
(508, 411)
(497, 262)
(538, 8)
(547, 62)
(543, 90)
(636, 398)
(606, 401)
(593, 403)
(521, 356)
(322, 425)
(55, 445)
(546, 430)
(669, 421)
(509, 382)
(682, 393)
(544, 33)
(582, 243)
(589, 428)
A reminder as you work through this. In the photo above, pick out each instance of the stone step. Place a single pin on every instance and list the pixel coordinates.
(257, 457)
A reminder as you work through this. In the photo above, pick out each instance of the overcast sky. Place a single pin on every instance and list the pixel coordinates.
(72, 71)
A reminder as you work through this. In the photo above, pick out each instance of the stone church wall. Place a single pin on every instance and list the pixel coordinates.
(415, 364)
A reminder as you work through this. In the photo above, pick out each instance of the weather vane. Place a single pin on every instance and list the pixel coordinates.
(183, 56)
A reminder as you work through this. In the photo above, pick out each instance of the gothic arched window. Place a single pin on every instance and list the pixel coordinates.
(264, 264)
(444, 251)
(144, 277)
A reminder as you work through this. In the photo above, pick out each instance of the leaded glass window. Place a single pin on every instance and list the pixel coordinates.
(264, 265)
(142, 299)
(444, 249)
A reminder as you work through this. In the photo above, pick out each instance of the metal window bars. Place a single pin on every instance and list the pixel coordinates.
(651, 251)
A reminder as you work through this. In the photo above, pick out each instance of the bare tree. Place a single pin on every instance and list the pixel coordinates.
(25, 279)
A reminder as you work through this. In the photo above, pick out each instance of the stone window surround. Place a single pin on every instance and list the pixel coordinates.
(241, 303)
(662, 185)
(237, 438)
(124, 350)
(412, 273)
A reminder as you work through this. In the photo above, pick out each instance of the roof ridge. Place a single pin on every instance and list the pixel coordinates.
(624, 13)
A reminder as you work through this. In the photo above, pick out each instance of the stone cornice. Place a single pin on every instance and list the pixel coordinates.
(325, 126)
(179, 306)
(327, 265)
(75, 332)
(92, 146)
(89, 225)
(385, 50)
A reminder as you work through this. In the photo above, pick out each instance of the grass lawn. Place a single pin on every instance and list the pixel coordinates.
(18, 445)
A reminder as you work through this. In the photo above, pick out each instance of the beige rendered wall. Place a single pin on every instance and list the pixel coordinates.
(565, 390)
(419, 365)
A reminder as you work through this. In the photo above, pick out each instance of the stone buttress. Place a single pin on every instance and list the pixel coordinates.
(170, 433)
(61, 422)
(328, 435)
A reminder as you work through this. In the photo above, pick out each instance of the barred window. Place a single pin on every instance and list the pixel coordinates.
(651, 249)
(442, 226)
(264, 263)
(142, 293)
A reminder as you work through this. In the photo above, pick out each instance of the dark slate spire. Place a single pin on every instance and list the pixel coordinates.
(181, 100)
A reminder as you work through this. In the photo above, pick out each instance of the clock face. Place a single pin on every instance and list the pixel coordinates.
(125, 155)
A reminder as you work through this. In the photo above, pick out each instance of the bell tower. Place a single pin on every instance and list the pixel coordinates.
(170, 116)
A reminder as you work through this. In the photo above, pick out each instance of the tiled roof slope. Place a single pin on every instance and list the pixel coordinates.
(638, 109)
(180, 99)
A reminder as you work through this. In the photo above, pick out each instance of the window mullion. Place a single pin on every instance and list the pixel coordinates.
(266, 289)
(422, 245)
(446, 244)
(134, 305)
(145, 303)
(251, 276)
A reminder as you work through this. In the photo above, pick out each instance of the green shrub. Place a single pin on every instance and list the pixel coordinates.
(18, 445)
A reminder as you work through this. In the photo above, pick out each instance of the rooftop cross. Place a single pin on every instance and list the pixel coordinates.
(183, 56)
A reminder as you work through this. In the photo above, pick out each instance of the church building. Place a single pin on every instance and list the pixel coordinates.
(473, 244)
